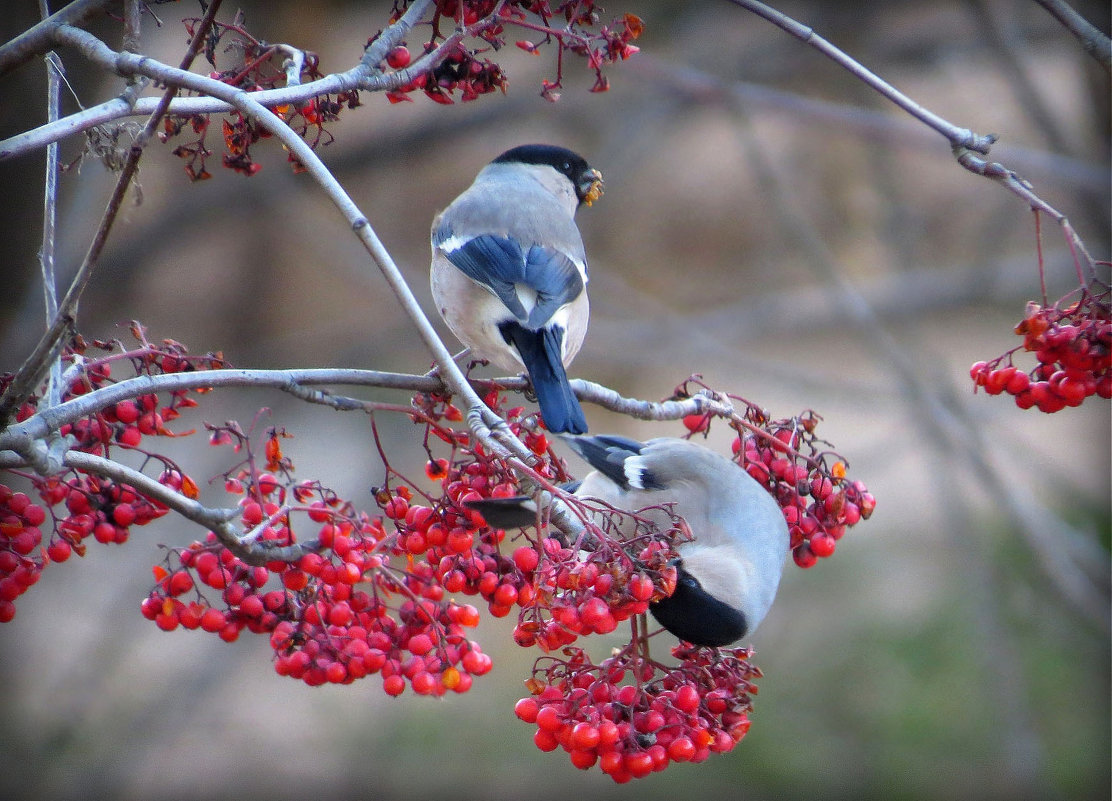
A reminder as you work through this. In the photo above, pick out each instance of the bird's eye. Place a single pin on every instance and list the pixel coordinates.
(567, 165)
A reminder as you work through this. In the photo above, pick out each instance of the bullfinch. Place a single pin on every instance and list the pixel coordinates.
(727, 576)
(509, 272)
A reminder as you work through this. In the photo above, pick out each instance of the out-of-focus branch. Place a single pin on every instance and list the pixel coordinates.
(1095, 43)
(871, 125)
(54, 73)
(49, 346)
(39, 39)
(1013, 68)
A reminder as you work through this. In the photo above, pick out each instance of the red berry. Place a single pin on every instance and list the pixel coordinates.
(59, 551)
(526, 710)
(804, 556)
(213, 620)
(822, 545)
(526, 559)
(681, 749)
(697, 423)
(398, 58)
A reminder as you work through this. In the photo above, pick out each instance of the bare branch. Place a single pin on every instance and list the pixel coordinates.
(958, 137)
(38, 40)
(50, 213)
(1095, 43)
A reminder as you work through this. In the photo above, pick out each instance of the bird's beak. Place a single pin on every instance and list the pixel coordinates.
(593, 187)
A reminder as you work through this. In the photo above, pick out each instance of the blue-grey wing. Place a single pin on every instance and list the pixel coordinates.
(501, 264)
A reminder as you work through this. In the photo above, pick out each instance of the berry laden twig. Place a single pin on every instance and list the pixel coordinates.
(1071, 339)
(343, 593)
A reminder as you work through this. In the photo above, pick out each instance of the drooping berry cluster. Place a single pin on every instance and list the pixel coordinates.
(679, 714)
(808, 480)
(578, 595)
(1073, 351)
(343, 610)
(21, 563)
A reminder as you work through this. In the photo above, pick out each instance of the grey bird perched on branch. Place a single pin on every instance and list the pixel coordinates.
(509, 272)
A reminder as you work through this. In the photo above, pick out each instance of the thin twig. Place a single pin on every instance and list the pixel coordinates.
(958, 137)
(1095, 43)
(253, 552)
(54, 71)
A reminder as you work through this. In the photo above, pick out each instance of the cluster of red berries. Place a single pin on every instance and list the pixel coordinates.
(92, 507)
(79, 506)
(1073, 348)
(462, 70)
(20, 537)
(560, 593)
(684, 714)
(465, 72)
(339, 613)
(785, 456)
(576, 596)
(352, 595)
(259, 66)
(818, 503)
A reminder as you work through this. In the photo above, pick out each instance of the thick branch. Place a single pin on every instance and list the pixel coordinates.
(41, 425)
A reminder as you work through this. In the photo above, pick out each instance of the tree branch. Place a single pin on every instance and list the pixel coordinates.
(958, 137)
(365, 76)
(1095, 43)
(20, 436)
(487, 426)
(251, 550)
(38, 40)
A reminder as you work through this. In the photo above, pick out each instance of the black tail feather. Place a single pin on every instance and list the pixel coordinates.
(541, 351)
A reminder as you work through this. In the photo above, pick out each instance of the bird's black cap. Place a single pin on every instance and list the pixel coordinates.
(564, 161)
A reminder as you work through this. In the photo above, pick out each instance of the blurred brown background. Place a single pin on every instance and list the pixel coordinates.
(932, 657)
